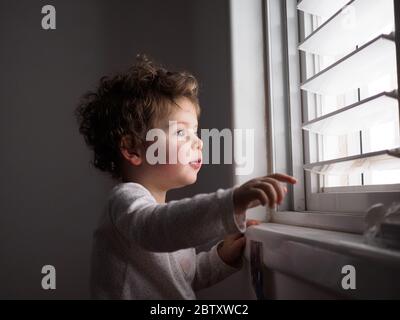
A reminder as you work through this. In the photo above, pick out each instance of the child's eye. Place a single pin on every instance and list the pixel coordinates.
(180, 133)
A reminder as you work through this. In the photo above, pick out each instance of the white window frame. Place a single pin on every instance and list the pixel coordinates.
(289, 145)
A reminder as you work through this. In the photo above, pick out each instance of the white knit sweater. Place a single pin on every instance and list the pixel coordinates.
(145, 250)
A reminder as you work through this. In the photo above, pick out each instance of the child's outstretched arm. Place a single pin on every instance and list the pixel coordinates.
(193, 221)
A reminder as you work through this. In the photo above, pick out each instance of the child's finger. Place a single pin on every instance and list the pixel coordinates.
(283, 178)
(239, 243)
(270, 191)
(254, 204)
(252, 222)
(258, 194)
(278, 188)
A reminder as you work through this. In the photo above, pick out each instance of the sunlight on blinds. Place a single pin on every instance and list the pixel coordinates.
(350, 90)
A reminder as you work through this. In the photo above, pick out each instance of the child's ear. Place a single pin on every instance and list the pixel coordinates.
(129, 151)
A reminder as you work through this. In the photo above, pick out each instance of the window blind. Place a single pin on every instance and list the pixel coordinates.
(353, 51)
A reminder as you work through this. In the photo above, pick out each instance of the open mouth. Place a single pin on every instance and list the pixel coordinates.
(196, 163)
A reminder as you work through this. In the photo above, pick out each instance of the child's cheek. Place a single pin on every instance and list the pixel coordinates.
(179, 152)
(171, 151)
(184, 153)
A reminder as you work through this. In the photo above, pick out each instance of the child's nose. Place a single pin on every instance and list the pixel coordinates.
(198, 143)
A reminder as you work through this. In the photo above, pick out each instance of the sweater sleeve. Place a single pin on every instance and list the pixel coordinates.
(210, 269)
(175, 225)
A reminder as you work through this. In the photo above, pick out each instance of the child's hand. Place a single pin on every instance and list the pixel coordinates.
(231, 249)
(263, 190)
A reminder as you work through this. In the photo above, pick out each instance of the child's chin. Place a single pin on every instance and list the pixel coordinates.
(189, 179)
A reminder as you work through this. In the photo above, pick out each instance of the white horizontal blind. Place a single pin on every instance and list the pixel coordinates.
(350, 88)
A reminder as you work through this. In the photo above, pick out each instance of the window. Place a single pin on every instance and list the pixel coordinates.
(349, 83)
(339, 69)
(349, 63)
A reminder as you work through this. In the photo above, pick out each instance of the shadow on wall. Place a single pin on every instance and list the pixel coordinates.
(50, 196)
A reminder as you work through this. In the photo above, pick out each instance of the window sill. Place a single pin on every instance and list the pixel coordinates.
(318, 256)
(343, 222)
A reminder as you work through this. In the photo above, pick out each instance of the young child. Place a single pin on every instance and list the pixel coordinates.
(144, 247)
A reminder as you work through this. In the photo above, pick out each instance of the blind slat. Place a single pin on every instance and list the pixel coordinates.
(360, 22)
(370, 62)
(321, 8)
(379, 160)
(375, 110)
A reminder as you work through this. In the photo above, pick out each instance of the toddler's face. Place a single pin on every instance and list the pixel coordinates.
(183, 146)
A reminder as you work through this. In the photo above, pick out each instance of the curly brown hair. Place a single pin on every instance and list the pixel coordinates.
(129, 104)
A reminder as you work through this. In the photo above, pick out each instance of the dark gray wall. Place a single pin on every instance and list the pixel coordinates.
(50, 197)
